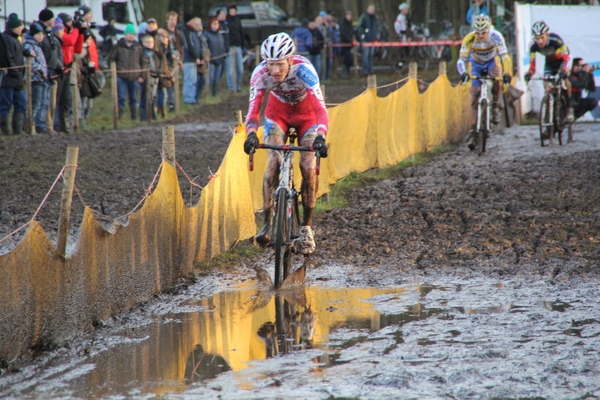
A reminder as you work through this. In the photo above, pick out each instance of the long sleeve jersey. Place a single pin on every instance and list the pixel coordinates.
(482, 52)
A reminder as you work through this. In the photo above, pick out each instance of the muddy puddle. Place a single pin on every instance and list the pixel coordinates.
(441, 339)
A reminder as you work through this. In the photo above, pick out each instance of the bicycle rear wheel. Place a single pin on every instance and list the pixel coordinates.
(546, 125)
(560, 113)
(286, 224)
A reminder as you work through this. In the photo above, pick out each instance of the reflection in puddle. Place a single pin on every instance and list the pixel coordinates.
(248, 324)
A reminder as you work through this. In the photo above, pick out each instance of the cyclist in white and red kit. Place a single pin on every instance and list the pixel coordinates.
(295, 100)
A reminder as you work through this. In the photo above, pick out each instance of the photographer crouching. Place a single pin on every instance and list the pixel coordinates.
(582, 78)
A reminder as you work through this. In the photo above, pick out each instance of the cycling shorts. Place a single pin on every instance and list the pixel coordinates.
(477, 69)
(552, 66)
(279, 117)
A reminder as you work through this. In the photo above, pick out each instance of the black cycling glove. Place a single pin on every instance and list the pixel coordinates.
(250, 143)
(563, 75)
(506, 78)
(319, 146)
(527, 77)
(464, 77)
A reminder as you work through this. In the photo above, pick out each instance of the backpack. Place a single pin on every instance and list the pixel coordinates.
(96, 82)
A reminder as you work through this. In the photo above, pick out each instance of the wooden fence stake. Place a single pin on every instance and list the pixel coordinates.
(372, 82)
(75, 101)
(65, 202)
(52, 107)
(168, 134)
(30, 128)
(115, 94)
(442, 68)
(412, 70)
(239, 118)
(257, 58)
(149, 99)
(354, 53)
(177, 89)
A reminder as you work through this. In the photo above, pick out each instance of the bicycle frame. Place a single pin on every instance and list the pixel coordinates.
(484, 103)
(549, 119)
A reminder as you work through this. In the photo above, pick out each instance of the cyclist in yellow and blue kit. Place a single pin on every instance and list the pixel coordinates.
(485, 50)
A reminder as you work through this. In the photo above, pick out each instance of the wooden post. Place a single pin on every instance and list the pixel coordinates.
(354, 53)
(372, 82)
(75, 100)
(65, 202)
(176, 88)
(257, 58)
(323, 91)
(148, 97)
(168, 133)
(52, 107)
(30, 128)
(323, 74)
(442, 68)
(233, 57)
(239, 118)
(115, 94)
(412, 70)
(207, 85)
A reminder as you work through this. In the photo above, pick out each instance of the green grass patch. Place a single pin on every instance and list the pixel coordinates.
(241, 250)
(337, 194)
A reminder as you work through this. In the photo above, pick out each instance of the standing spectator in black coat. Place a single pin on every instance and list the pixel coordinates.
(216, 44)
(51, 48)
(224, 31)
(367, 31)
(347, 38)
(237, 42)
(12, 93)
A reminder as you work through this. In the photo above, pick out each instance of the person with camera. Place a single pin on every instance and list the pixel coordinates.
(83, 21)
(53, 53)
(582, 78)
(64, 94)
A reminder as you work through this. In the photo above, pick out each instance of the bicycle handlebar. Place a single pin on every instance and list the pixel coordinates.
(285, 147)
(486, 78)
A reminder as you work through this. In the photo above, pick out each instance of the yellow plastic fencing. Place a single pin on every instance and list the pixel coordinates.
(47, 299)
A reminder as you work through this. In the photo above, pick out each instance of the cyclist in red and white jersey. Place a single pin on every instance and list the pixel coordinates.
(557, 57)
(295, 100)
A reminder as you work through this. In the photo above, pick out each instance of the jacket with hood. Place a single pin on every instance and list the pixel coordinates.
(39, 67)
(130, 60)
(14, 54)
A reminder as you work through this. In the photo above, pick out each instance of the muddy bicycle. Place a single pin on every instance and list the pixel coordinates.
(286, 216)
(483, 127)
(553, 109)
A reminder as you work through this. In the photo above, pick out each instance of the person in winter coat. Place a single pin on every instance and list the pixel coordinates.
(347, 38)
(194, 63)
(316, 48)
(238, 47)
(157, 63)
(216, 44)
(367, 31)
(129, 57)
(85, 24)
(39, 68)
(71, 44)
(12, 93)
(166, 92)
(64, 94)
(303, 38)
(224, 32)
(53, 53)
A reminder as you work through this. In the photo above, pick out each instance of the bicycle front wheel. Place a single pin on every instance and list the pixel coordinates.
(482, 134)
(546, 123)
(283, 225)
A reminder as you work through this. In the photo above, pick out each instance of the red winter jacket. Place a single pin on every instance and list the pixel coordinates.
(70, 46)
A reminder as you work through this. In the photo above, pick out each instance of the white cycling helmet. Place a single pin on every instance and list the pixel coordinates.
(481, 23)
(277, 47)
(539, 28)
(403, 6)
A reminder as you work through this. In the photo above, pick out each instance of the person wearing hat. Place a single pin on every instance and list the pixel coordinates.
(51, 47)
(64, 94)
(175, 49)
(195, 59)
(347, 38)
(39, 71)
(130, 60)
(237, 42)
(12, 93)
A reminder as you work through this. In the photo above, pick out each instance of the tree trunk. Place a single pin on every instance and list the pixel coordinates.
(156, 9)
